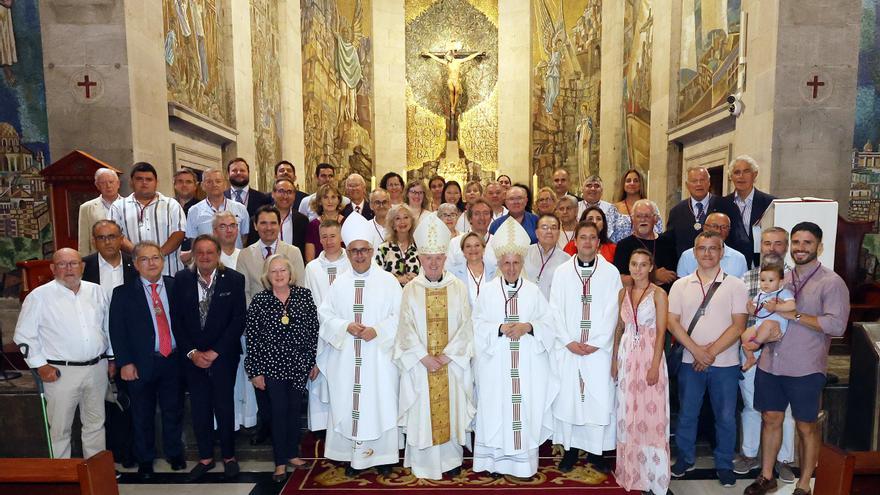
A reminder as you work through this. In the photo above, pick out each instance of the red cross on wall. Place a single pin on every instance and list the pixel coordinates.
(815, 83)
(86, 83)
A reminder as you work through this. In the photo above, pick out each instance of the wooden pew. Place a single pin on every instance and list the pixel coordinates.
(93, 476)
(845, 473)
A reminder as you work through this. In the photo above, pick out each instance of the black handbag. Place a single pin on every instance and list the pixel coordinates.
(676, 351)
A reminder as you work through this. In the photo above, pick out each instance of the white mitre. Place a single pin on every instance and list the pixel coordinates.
(432, 236)
(357, 228)
(510, 238)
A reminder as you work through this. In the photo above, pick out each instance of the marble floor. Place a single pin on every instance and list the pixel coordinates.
(256, 481)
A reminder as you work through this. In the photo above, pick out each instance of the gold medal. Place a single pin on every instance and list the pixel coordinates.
(697, 226)
(285, 320)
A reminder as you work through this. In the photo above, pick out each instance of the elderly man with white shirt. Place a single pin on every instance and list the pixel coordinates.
(63, 324)
(732, 261)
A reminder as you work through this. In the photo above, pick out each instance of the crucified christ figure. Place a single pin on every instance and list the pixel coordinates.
(453, 60)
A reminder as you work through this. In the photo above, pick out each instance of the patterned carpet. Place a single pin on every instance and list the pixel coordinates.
(327, 476)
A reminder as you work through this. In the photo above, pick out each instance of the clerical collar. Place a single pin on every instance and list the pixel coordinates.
(586, 265)
(435, 281)
(358, 274)
(511, 285)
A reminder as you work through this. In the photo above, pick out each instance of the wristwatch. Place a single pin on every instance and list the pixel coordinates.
(797, 317)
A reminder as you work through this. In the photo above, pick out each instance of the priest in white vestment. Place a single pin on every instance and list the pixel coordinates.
(359, 316)
(433, 352)
(321, 272)
(513, 335)
(584, 300)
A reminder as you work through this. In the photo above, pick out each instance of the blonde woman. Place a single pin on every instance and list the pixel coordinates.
(472, 192)
(398, 255)
(545, 202)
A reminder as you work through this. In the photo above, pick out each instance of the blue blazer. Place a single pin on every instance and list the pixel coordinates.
(680, 225)
(740, 239)
(131, 325)
(224, 324)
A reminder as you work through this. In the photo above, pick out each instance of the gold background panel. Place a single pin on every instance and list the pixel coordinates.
(426, 133)
(478, 134)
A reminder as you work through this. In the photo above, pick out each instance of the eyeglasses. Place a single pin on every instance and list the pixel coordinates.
(68, 264)
(380, 203)
(707, 249)
(227, 227)
(149, 259)
(360, 251)
(284, 192)
(106, 238)
(548, 228)
(418, 193)
(716, 226)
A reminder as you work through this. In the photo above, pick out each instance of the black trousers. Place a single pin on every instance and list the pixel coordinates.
(210, 396)
(286, 402)
(164, 387)
(264, 412)
(118, 425)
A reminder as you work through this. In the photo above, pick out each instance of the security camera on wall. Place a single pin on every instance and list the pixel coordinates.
(735, 104)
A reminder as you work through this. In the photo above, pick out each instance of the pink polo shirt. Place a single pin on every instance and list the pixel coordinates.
(731, 297)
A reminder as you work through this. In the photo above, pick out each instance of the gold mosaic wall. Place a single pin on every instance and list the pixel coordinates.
(638, 40)
(337, 69)
(566, 62)
(436, 26)
(197, 55)
(265, 40)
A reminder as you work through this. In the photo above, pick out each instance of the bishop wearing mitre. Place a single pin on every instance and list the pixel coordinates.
(359, 316)
(583, 297)
(513, 338)
(433, 352)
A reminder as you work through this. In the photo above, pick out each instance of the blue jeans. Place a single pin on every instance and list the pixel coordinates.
(722, 384)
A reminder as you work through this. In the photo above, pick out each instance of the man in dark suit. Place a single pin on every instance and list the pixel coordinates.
(286, 169)
(745, 206)
(209, 313)
(109, 267)
(356, 191)
(147, 357)
(239, 174)
(686, 219)
(293, 223)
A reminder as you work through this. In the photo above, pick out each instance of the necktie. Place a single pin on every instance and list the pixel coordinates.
(205, 303)
(161, 322)
(268, 251)
(700, 212)
(238, 195)
(357, 209)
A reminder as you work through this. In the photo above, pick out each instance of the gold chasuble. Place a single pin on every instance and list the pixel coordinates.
(437, 320)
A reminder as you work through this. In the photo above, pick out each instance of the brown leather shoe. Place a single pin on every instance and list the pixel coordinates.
(800, 491)
(761, 486)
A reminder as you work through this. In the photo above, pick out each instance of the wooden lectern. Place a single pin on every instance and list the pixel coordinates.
(71, 182)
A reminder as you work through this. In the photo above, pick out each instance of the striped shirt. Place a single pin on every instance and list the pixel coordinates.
(153, 222)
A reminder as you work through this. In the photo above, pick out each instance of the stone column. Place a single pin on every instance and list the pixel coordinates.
(389, 88)
(514, 72)
(611, 129)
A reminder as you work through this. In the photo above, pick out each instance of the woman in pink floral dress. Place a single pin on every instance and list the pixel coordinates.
(642, 383)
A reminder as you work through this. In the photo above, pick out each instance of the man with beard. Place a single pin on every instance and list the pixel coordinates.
(285, 169)
(644, 216)
(239, 173)
(380, 203)
(792, 371)
(293, 223)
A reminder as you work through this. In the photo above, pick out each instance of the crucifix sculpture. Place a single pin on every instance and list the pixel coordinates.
(453, 59)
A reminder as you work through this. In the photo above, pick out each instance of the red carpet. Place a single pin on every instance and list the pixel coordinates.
(327, 477)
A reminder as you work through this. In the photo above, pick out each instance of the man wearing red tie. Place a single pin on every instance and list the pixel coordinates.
(140, 324)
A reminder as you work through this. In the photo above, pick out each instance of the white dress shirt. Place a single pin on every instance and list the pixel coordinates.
(111, 277)
(200, 219)
(745, 210)
(61, 325)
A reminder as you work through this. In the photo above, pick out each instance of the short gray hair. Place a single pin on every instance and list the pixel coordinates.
(264, 276)
(355, 178)
(136, 251)
(593, 179)
(220, 215)
(567, 197)
(696, 168)
(104, 170)
(744, 158)
(646, 202)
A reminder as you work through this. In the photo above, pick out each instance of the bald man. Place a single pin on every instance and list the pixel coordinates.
(732, 261)
(356, 191)
(62, 325)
